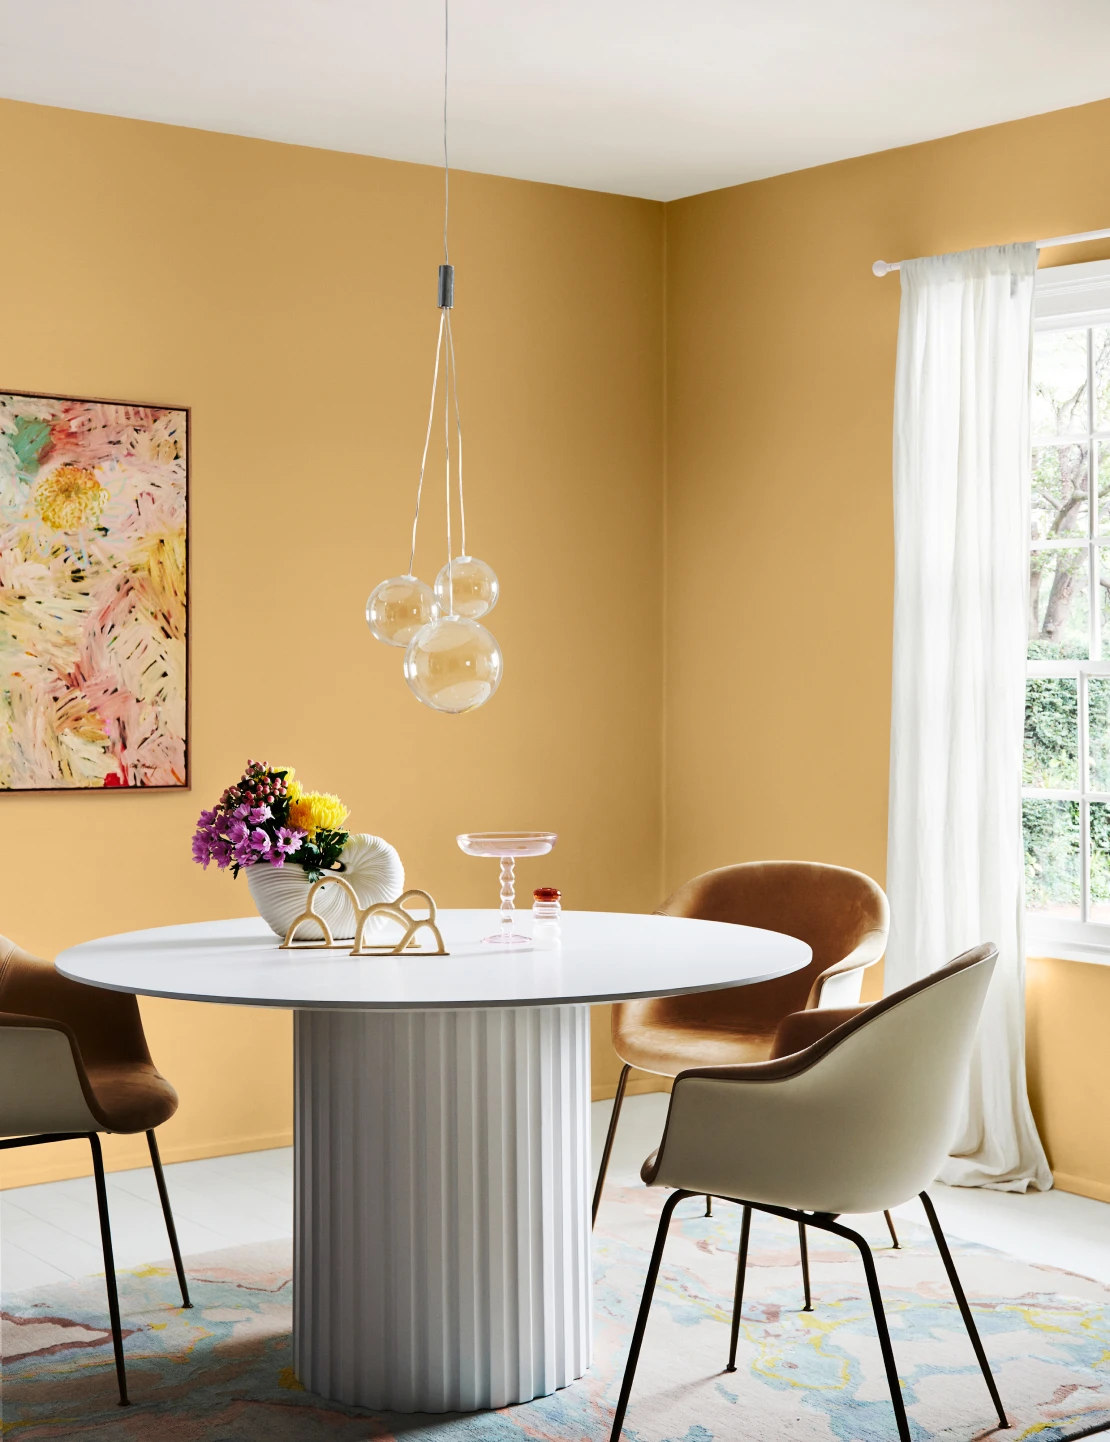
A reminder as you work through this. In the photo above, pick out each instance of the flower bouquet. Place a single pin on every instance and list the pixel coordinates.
(286, 839)
(267, 819)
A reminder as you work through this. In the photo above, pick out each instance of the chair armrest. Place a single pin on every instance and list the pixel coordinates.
(802, 1028)
(830, 989)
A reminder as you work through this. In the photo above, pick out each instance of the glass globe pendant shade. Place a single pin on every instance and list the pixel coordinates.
(398, 608)
(472, 587)
(453, 665)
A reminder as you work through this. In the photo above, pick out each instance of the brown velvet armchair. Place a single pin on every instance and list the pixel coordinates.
(841, 914)
(73, 1063)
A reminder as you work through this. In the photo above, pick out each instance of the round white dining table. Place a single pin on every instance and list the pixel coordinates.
(441, 1133)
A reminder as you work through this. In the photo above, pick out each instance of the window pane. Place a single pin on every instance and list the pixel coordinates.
(1059, 616)
(1098, 731)
(1100, 347)
(1103, 558)
(1051, 733)
(1061, 489)
(1102, 463)
(1051, 857)
(1059, 382)
(1100, 861)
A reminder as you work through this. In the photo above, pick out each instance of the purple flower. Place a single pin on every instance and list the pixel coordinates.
(202, 849)
(260, 814)
(238, 832)
(242, 812)
(276, 857)
(243, 855)
(260, 842)
(288, 839)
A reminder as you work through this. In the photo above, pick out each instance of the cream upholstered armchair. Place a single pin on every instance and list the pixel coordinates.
(855, 1114)
(74, 1063)
(844, 917)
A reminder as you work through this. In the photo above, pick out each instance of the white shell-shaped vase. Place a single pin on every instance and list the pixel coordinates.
(368, 863)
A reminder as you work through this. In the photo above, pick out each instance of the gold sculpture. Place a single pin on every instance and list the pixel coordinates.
(394, 910)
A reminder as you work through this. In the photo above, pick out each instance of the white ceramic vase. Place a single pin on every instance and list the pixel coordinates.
(369, 864)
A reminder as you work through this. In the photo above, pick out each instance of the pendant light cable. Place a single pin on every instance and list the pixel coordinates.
(447, 455)
(458, 427)
(445, 346)
(446, 167)
(427, 441)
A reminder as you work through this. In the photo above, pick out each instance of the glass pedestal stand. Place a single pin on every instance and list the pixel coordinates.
(507, 846)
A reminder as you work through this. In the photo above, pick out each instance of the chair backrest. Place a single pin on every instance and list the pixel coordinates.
(832, 908)
(858, 1122)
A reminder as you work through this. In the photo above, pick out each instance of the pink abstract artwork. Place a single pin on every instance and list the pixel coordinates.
(93, 594)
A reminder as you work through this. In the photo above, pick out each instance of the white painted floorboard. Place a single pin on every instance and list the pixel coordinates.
(49, 1233)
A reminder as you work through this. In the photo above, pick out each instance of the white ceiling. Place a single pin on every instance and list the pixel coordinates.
(657, 98)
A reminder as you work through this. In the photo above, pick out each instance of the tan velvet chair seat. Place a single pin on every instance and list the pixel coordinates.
(667, 1050)
(843, 916)
(122, 1087)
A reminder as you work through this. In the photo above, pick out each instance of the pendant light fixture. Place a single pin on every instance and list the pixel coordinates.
(452, 663)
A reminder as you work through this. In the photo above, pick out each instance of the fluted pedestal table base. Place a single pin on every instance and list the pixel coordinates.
(442, 1248)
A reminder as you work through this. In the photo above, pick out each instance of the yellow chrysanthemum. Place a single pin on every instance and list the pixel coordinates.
(314, 811)
(69, 498)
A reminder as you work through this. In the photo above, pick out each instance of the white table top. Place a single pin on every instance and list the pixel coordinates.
(604, 956)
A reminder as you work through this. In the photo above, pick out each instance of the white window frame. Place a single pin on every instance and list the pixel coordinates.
(1070, 297)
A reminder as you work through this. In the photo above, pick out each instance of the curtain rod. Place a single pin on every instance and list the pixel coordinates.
(884, 267)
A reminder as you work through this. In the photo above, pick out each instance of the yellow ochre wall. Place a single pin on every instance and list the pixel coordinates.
(780, 375)
(288, 296)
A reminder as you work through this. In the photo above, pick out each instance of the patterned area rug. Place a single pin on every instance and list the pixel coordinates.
(222, 1372)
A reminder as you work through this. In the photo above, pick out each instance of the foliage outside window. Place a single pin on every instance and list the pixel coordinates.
(1066, 771)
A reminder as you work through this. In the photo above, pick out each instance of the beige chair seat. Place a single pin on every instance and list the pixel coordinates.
(74, 1062)
(667, 1050)
(854, 1111)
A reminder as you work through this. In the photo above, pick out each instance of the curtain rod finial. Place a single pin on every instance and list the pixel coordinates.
(882, 267)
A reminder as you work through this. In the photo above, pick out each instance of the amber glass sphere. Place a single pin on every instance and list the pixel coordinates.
(472, 590)
(453, 664)
(398, 608)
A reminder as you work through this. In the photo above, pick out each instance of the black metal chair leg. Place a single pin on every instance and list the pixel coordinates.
(645, 1307)
(171, 1230)
(618, 1102)
(738, 1296)
(709, 1206)
(804, 1247)
(880, 1324)
(894, 1242)
(109, 1265)
(965, 1310)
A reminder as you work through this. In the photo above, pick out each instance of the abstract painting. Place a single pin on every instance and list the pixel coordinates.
(93, 583)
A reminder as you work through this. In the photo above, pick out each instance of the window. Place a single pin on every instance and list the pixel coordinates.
(1066, 763)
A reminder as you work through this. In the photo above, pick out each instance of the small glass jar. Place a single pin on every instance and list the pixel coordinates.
(546, 913)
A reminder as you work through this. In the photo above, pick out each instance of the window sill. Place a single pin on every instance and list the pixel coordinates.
(1046, 948)
(1058, 936)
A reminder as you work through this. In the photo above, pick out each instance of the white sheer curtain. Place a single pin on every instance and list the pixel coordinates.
(961, 523)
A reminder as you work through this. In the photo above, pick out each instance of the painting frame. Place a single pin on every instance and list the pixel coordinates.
(186, 784)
